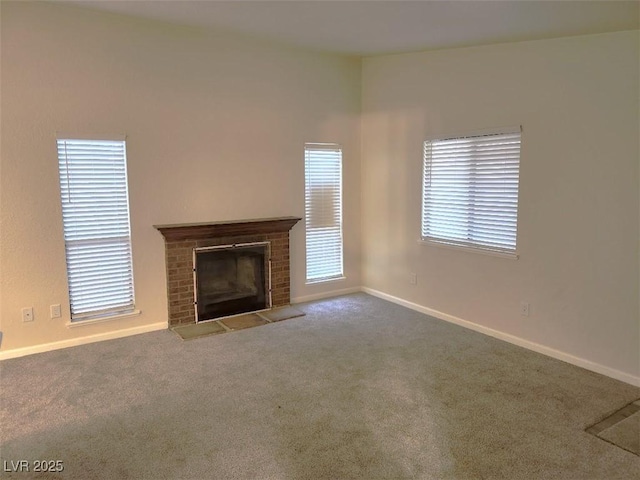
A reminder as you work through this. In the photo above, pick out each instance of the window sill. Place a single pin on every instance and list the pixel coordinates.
(93, 321)
(510, 256)
(325, 280)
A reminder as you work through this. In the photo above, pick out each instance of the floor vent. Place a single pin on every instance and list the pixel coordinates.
(622, 429)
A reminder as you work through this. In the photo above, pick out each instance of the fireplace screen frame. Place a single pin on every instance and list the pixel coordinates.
(231, 247)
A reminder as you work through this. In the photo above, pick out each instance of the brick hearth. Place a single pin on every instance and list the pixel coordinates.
(181, 239)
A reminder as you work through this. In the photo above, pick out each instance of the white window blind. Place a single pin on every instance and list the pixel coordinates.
(470, 190)
(95, 212)
(323, 211)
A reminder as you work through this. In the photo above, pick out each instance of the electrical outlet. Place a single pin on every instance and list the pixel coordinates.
(56, 311)
(524, 309)
(27, 314)
(413, 279)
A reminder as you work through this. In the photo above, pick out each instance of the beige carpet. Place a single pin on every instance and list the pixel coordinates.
(359, 389)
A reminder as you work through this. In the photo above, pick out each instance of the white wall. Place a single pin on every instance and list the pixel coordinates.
(216, 126)
(577, 100)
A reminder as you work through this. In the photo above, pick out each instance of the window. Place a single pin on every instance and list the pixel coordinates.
(323, 211)
(470, 190)
(95, 213)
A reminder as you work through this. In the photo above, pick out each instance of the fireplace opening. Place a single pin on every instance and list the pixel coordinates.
(231, 279)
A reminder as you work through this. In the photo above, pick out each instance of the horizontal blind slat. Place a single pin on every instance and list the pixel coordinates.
(470, 190)
(95, 209)
(323, 211)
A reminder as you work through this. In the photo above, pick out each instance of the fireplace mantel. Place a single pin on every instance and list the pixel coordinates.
(199, 231)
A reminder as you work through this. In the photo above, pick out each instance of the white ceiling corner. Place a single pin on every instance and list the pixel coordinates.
(373, 27)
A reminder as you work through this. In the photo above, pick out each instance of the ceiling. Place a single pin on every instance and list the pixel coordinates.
(373, 27)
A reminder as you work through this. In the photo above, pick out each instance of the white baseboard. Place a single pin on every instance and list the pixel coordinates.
(578, 361)
(557, 354)
(320, 296)
(72, 342)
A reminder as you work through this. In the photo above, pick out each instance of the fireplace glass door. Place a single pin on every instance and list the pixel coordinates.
(231, 279)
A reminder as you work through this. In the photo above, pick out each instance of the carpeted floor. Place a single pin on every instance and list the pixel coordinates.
(357, 389)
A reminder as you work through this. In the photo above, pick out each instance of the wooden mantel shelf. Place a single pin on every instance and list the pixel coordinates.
(199, 231)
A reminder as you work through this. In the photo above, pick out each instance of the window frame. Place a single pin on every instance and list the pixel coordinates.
(468, 244)
(338, 242)
(88, 302)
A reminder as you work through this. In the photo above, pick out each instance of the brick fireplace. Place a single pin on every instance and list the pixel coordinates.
(182, 239)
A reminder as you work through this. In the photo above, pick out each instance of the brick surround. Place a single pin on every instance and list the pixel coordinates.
(181, 239)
